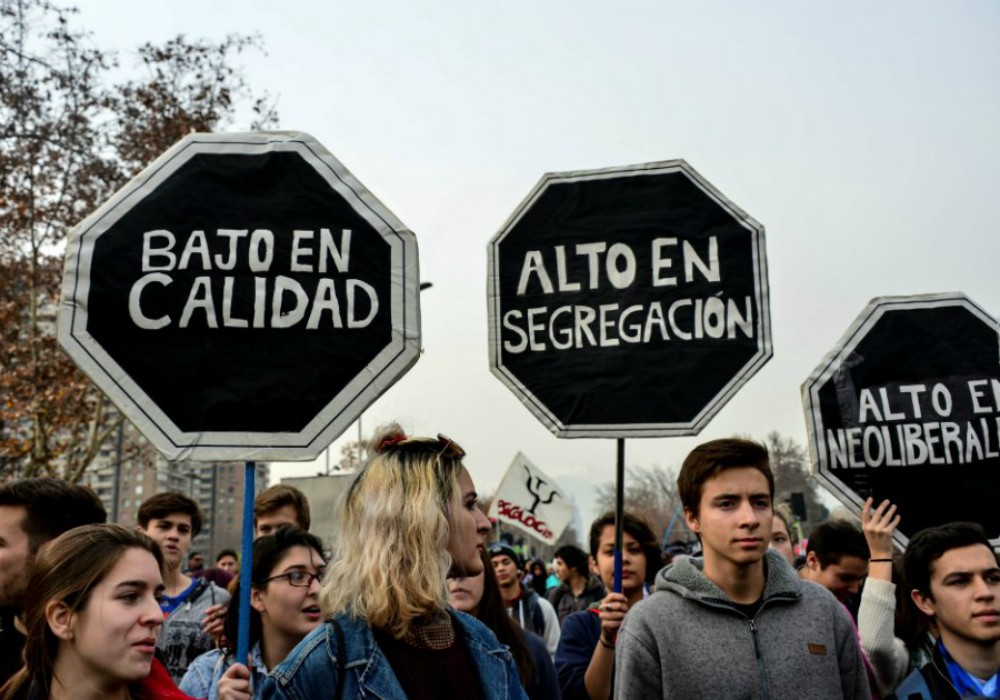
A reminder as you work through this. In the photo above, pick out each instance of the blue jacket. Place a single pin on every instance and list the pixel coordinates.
(932, 682)
(205, 672)
(310, 671)
(580, 635)
(545, 684)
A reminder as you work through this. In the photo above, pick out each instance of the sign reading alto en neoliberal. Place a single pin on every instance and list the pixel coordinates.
(243, 298)
(627, 302)
(907, 407)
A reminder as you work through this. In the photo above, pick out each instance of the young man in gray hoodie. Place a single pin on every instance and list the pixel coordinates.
(172, 520)
(738, 623)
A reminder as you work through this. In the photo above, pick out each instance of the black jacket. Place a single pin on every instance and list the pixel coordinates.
(11, 646)
(566, 603)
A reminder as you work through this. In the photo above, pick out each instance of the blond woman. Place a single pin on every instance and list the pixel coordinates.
(410, 520)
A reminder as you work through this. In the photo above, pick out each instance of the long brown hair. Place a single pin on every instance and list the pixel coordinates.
(493, 613)
(67, 570)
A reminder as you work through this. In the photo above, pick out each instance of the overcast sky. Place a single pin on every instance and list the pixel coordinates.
(863, 136)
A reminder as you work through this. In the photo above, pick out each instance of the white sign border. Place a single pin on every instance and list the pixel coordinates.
(391, 363)
(855, 333)
(630, 430)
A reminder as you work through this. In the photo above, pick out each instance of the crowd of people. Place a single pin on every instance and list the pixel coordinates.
(414, 601)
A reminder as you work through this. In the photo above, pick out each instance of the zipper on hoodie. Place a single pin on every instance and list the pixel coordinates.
(765, 686)
(752, 622)
(753, 634)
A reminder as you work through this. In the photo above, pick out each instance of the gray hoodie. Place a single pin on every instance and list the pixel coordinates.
(182, 640)
(687, 641)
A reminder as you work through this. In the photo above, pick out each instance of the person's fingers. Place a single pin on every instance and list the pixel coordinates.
(612, 621)
(880, 510)
(237, 671)
(866, 510)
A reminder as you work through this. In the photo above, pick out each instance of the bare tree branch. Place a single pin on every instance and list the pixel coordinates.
(69, 138)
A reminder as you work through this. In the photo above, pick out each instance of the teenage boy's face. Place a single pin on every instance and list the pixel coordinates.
(734, 516)
(842, 578)
(506, 571)
(267, 523)
(173, 533)
(965, 595)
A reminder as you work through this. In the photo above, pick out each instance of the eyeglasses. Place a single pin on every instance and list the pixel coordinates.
(299, 579)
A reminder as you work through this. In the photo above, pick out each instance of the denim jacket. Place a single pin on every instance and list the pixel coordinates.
(203, 675)
(310, 671)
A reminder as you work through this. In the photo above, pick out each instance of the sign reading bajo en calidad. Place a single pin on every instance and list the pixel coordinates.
(243, 298)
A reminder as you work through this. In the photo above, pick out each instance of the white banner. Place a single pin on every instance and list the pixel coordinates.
(532, 502)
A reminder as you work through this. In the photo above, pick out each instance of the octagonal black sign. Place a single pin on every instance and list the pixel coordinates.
(627, 302)
(907, 407)
(244, 297)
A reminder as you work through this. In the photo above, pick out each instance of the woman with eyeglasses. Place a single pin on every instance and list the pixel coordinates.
(284, 608)
(410, 519)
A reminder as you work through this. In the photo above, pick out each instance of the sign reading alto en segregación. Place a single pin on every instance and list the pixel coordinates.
(243, 298)
(627, 302)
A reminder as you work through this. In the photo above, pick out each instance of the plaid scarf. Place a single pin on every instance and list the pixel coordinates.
(433, 631)
(965, 683)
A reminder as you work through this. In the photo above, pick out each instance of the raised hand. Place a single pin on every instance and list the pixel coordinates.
(878, 525)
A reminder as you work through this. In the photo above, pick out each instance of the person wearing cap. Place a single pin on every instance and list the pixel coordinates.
(531, 611)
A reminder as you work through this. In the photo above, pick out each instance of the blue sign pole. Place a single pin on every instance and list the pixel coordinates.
(246, 563)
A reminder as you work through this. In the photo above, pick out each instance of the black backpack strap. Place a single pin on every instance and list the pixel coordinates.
(341, 661)
(538, 618)
(196, 592)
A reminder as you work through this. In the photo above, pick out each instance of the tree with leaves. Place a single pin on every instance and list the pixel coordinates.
(69, 138)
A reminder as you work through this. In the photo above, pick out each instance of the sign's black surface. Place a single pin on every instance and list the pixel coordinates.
(244, 298)
(628, 301)
(907, 407)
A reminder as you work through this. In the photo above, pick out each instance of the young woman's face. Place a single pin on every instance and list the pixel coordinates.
(468, 528)
(781, 540)
(465, 593)
(114, 635)
(633, 561)
(289, 602)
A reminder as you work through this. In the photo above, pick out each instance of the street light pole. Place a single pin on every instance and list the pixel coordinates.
(423, 286)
